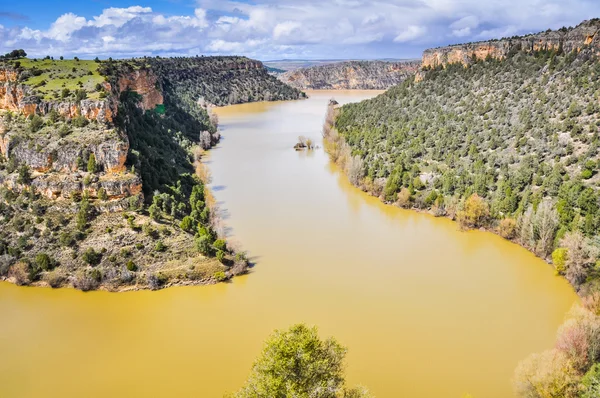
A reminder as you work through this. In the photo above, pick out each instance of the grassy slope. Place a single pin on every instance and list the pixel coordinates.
(60, 74)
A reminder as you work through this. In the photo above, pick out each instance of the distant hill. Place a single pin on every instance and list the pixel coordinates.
(293, 64)
(350, 75)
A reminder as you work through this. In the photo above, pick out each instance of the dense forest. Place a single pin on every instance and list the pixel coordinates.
(507, 145)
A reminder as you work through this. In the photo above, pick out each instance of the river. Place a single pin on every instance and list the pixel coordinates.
(424, 309)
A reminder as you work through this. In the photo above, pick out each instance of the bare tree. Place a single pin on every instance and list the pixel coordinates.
(545, 224)
(205, 140)
(581, 255)
(355, 170)
(526, 232)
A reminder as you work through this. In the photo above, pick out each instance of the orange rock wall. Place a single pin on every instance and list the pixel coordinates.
(585, 34)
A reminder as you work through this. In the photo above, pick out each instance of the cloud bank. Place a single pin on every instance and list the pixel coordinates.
(294, 28)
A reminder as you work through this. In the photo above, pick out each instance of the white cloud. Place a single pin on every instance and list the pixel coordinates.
(285, 29)
(65, 25)
(301, 28)
(118, 16)
(412, 32)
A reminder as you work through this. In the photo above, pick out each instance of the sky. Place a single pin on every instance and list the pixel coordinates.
(272, 29)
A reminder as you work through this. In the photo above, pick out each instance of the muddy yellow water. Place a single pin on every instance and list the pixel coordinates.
(425, 310)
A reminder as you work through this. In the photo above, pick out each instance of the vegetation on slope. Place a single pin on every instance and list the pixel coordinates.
(518, 137)
(510, 146)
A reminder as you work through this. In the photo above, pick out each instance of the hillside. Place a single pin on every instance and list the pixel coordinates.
(351, 75)
(100, 180)
(519, 131)
(505, 140)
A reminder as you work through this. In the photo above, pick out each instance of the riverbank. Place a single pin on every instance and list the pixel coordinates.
(136, 249)
(352, 167)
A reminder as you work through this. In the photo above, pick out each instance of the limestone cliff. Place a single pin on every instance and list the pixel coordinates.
(585, 34)
(21, 98)
(352, 75)
(146, 84)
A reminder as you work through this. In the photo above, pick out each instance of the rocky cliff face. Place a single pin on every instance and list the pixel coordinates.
(146, 84)
(361, 75)
(20, 98)
(585, 34)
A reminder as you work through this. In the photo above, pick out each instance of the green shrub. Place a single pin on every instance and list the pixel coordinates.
(220, 276)
(79, 121)
(35, 123)
(102, 195)
(160, 246)
(131, 266)
(220, 245)
(91, 256)
(187, 224)
(44, 262)
(559, 259)
(92, 167)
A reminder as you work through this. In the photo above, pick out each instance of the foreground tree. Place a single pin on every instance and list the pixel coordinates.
(297, 363)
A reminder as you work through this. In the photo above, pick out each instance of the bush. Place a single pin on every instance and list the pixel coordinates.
(221, 256)
(55, 279)
(220, 276)
(66, 239)
(203, 245)
(160, 246)
(91, 256)
(20, 271)
(187, 224)
(591, 383)
(35, 123)
(79, 121)
(131, 266)
(92, 167)
(559, 259)
(24, 176)
(85, 281)
(102, 194)
(507, 228)
(44, 262)
(220, 245)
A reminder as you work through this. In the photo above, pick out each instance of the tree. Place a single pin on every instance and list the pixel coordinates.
(475, 213)
(36, 123)
(549, 374)
(91, 165)
(84, 213)
(581, 254)
(297, 363)
(187, 224)
(102, 195)
(24, 176)
(205, 140)
(91, 256)
(545, 224)
(355, 170)
(590, 383)
(44, 262)
(155, 212)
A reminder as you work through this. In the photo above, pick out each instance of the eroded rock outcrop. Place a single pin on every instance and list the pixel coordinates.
(146, 84)
(586, 34)
(20, 98)
(62, 155)
(352, 75)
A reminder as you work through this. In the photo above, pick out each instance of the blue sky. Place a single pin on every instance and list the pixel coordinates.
(273, 29)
